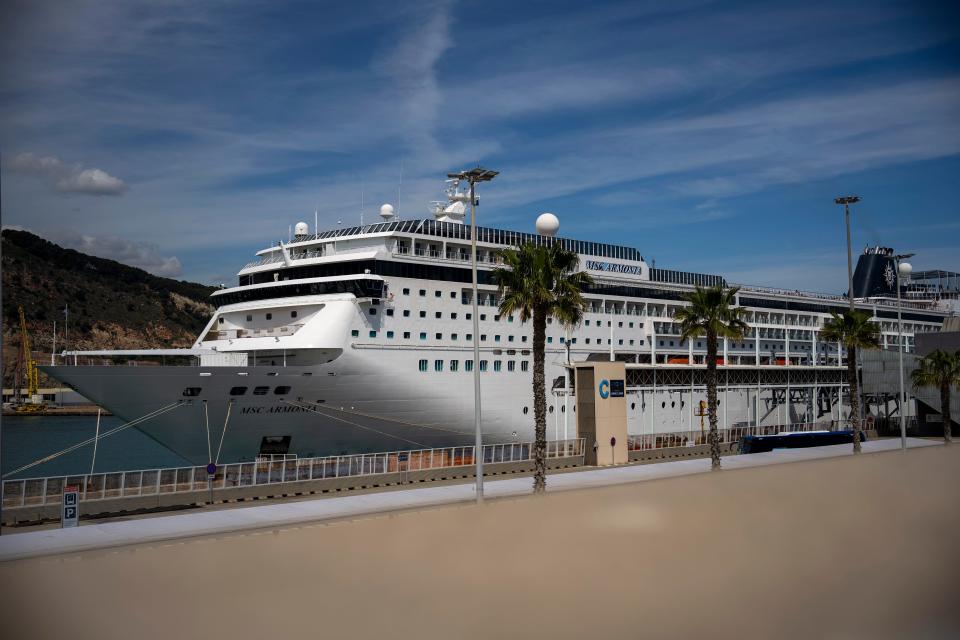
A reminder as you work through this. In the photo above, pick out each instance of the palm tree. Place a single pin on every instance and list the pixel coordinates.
(539, 282)
(855, 331)
(939, 369)
(712, 312)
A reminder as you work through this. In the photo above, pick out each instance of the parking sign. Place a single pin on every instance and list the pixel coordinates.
(70, 517)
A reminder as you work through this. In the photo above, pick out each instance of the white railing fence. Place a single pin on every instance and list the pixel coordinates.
(121, 484)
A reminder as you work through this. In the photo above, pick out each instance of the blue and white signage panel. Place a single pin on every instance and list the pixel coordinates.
(70, 517)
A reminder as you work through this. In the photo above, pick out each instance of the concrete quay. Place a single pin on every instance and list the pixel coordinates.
(89, 537)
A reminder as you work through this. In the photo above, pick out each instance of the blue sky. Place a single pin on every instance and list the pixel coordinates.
(713, 136)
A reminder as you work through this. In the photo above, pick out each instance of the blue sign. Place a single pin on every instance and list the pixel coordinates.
(604, 389)
(212, 469)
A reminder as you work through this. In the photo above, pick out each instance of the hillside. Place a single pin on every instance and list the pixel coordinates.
(111, 304)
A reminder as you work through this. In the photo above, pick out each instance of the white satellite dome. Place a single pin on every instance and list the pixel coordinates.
(301, 229)
(548, 224)
(905, 269)
(386, 211)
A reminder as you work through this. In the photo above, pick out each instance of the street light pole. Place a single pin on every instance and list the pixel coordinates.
(473, 177)
(846, 201)
(906, 269)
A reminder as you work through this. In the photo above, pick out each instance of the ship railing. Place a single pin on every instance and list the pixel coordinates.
(31, 492)
(667, 440)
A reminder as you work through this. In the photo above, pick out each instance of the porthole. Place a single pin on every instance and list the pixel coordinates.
(260, 391)
(525, 410)
(633, 406)
(551, 408)
(238, 391)
(293, 314)
(281, 391)
(220, 320)
(663, 405)
(269, 316)
(192, 392)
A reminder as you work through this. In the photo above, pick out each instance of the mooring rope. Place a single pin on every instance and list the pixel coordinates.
(359, 426)
(53, 456)
(385, 419)
(225, 422)
(206, 421)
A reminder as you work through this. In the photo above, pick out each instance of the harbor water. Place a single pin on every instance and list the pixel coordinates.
(29, 438)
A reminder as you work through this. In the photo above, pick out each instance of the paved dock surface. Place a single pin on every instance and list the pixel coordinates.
(832, 546)
(89, 537)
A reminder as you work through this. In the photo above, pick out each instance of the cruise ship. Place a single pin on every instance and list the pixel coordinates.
(360, 339)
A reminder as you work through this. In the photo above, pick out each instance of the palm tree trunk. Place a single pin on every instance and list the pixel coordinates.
(714, 437)
(539, 401)
(945, 412)
(854, 396)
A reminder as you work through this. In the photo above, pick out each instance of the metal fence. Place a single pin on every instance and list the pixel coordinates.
(649, 441)
(120, 484)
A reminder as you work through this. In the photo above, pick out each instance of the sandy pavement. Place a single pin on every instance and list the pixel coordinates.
(861, 547)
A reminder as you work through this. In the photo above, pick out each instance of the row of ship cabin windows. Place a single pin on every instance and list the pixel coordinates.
(192, 392)
(744, 345)
(469, 316)
(424, 365)
(483, 337)
(269, 316)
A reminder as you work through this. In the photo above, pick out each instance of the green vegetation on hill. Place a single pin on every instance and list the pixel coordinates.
(111, 304)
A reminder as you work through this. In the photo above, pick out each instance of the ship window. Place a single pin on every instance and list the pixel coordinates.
(483, 316)
(220, 320)
(293, 314)
(423, 335)
(526, 410)
(249, 318)
(281, 391)
(511, 365)
(496, 318)
(191, 392)
(621, 341)
(438, 365)
(390, 312)
(406, 335)
(439, 336)
(468, 365)
(496, 338)
(453, 336)
(524, 365)
(453, 316)
(355, 333)
(423, 292)
(423, 314)
(619, 324)
(562, 340)
(497, 365)
(587, 339)
(373, 334)
(406, 313)
(631, 342)
(551, 408)
(437, 294)
(483, 365)
(586, 322)
(550, 339)
(260, 391)
(469, 336)
(238, 391)
(523, 338)
(454, 365)
(423, 365)
(438, 315)
(453, 294)
(509, 318)
(390, 335)
(469, 316)
(373, 311)
(269, 316)
(483, 337)
(406, 291)
(509, 338)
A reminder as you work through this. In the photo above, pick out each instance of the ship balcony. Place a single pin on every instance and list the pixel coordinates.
(239, 334)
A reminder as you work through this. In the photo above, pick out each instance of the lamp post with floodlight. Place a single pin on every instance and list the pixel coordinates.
(473, 176)
(904, 269)
(846, 201)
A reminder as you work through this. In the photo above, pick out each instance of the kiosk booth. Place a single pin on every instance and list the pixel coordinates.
(602, 411)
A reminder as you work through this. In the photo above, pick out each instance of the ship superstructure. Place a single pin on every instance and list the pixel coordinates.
(360, 339)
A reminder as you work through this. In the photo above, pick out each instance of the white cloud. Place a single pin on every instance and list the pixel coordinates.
(68, 178)
(143, 255)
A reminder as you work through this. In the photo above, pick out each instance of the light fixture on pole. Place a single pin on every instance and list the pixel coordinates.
(846, 201)
(904, 269)
(473, 176)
